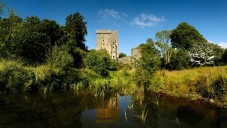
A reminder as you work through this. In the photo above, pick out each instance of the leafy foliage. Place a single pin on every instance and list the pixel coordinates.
(9, 35)
(148, 63)
(218, 52)
(59, 57)
(75, 31)
(185, 35)
(224, 57)
(14, 77)
(163, 43)
(201, 53)
(121, 55)
(179, 60)
(100, 62)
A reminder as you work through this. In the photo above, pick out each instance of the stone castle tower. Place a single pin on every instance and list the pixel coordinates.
(107, 39)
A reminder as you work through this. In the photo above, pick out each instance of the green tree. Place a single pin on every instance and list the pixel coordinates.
(34, 43)
(99, 61)
(224, 57)
(180, 60)
(201, 53)
(121, 55)
(163, 43)
(184, 35)
(10, 30)
(75, 31)
(149, 62)
(218, 52)
(1, 8)
(51, 30)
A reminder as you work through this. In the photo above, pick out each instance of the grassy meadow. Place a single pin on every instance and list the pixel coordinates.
(198, 83)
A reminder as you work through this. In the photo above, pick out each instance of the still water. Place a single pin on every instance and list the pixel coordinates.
(83, 110)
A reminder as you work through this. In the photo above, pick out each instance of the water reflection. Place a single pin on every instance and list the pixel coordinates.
(85, 110)
(108, 111)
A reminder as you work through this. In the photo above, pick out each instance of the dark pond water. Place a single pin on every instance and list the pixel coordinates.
(60, 110)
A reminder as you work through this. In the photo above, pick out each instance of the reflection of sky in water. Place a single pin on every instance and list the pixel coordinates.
(89, 118)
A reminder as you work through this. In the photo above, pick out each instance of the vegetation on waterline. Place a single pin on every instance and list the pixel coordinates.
(197, 83)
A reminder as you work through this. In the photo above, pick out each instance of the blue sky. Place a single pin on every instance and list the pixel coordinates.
(135, 20)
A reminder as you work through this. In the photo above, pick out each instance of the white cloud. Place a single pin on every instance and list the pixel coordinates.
(147, 20)
(109, 13)
(223, 44)
(211, 41)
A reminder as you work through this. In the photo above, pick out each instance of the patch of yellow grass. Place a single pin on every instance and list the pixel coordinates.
(42, 72)
(184, 82)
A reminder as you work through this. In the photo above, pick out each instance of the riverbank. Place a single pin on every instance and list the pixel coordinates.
(17, 77)
(206, 83)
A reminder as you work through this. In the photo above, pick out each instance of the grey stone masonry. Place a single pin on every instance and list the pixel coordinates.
(108, 40)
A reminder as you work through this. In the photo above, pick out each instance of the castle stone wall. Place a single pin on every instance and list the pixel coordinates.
(108, 40)
(125, 60)
(135, 53)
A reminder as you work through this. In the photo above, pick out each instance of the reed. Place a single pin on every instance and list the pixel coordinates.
(143, 115)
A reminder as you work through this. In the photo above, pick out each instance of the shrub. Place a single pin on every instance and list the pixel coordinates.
(59, 57)
(14, 77)
(219, 87)
(100, 62)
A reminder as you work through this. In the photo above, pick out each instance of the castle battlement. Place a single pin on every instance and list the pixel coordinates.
(102, 31)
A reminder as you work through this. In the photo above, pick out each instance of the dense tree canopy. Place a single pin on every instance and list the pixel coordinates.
(218, 52)
(99, 61)
(184, 35)
(180, 60)
(52, 31)
(31, 39)
(122, 55)
(10, 37)
(75, 31)
(224, 57)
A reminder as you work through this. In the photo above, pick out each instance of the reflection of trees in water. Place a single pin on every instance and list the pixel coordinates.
(65, 110)
(108, 110)
(33, 111)
(178, 112)
(189, 116)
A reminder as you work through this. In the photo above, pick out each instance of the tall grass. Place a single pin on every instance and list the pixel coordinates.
(195, 83)
(17, 77)
(118, 81)
(143, 115)
(14, 77)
